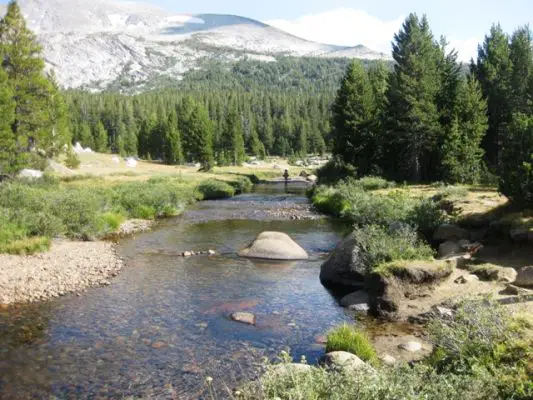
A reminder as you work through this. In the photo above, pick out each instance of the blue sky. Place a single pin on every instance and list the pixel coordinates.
(372, 22)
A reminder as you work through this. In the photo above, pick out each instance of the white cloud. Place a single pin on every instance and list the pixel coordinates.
(343, 27)
(350, 27)
(467, 48)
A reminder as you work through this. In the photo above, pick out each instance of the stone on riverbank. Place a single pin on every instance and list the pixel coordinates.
(342, 360)
(524, 278)
(274, 246)
(356, 301)
(345, 265)
(450, 232)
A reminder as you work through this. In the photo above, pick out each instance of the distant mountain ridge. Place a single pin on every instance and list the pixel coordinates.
(95, 44)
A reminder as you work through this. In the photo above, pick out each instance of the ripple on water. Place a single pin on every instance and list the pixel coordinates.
(164, 325)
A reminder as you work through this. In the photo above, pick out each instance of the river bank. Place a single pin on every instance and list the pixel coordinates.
(68, 267)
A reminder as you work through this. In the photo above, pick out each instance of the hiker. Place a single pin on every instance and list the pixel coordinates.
(286, 175)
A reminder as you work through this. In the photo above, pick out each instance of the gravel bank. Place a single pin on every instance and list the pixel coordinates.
(68, 267)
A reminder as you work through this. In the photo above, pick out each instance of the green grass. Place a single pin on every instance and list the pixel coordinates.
(52, 208)
(348, 338)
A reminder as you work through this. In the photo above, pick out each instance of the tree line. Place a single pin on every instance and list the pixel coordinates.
(425, 120)
(202, 126)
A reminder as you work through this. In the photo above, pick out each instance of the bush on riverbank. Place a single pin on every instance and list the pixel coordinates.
(351, 202)
(348, 338)
(213, 190)
(482, 353)
(381, 245)
(48, 208)
(482, 336)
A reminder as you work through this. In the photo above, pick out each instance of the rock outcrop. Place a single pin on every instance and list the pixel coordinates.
(345, 266)
(274, 246)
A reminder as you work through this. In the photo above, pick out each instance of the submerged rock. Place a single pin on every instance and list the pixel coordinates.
(411, 347)
(356, 301)
(243, 317)
(274, 246)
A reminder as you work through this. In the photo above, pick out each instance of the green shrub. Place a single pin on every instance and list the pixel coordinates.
(26, 246)
(427, 216)
(212, 189)
(348, 338)
(242, 184)
(111, 222)
(419, 382)
(483, 336)
(329, 201)
(374, 183)
(379, 245)
(334, 171)
(144, 212)
(72, 160)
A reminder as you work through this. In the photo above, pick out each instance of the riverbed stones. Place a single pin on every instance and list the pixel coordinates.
(243, 317)
(345, 266)
(274, 246)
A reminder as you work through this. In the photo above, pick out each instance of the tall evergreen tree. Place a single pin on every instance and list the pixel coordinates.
(7, 137)
(462, 152)
(173, 149)
(354, 138)
(100, 138)
(412, 114)
(199, 135)
(39, 120)
(494, 70)
(521, 55)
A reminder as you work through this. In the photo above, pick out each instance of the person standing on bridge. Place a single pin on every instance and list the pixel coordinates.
(286, 175)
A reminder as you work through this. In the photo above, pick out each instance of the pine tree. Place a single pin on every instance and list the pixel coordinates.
(412, 114)
(354, 109)
(521, 55)
(173, 149)
(493, 70)
(100, 138)
(462, 152)
(85, 136)
(39, 120)
(7, 115)
(198, 130)
(516, 174)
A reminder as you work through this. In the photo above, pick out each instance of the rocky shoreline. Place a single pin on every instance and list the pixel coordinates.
(68, 267)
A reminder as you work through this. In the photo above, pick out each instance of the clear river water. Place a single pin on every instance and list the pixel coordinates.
(163, 325)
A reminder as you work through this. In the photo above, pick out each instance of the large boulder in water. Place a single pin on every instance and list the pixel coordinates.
(345, 266)
(274, 246)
